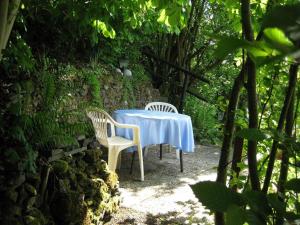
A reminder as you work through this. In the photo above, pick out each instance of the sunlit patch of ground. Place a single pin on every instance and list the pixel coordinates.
(165, 196)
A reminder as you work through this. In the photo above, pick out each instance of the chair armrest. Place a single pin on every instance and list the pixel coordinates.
(135, 128)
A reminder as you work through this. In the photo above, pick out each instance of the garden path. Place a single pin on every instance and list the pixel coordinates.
(165, 196)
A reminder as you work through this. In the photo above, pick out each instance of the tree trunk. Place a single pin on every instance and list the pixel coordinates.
(237, 156)
(252, 99)
(291, 87)
(228, 134)
(285, 157)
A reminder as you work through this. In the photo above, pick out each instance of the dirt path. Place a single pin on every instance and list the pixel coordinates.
(165, 196)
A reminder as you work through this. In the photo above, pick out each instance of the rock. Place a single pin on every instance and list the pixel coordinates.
(31, 201)
(119, 71)
(23, 195)
(80, 137)
(81, 165)
(74, 210)
(127, 73)
(92, 155)
(86, 142)
(33, 178)
(60, 167)
(30, 189)
(57, 152)
(12, 195)
(36, 213)
(30, 220)
(17, 181)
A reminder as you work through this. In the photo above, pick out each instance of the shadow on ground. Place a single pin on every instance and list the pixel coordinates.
(165, 196)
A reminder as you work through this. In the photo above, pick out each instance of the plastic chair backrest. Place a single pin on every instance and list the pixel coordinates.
(161, 106)
(100, 120)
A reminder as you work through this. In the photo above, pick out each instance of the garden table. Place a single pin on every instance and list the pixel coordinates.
(158, 128)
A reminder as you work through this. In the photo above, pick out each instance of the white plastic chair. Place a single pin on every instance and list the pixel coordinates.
(101, 121)
(163, 107)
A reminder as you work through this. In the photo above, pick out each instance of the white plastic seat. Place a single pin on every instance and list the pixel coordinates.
(101, 122)
(162, 107)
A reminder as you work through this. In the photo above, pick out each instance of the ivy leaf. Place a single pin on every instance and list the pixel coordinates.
(216, 196)
(293, 185)
(251, 134)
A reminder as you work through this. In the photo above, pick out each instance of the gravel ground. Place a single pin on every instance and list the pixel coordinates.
(165, 196)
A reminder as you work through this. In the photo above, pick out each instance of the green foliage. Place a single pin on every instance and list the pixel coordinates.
(216, 196)
(294, 185)
(252, 207)
(18, 56)
(251, 134)
(128, 92)
(94, 83)
(204, 119)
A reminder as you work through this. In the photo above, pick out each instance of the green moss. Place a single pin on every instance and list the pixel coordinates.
(60, 167)
(30, 189)
(30, 220)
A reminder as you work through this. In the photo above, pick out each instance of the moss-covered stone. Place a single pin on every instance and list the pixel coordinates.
(74, 209)
(30, 220)
(11, 195)
(60, 167)
(38, 214)
(30, 189)
(92, 155)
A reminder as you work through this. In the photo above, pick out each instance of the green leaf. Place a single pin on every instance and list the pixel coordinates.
(277, 39)
(285, 18)
(227, 45)
(251, 134)
(291, 216)
(235, 215)
(293, 185)
(216, 196)
(253, 219)
(257, 202)
(275, 203)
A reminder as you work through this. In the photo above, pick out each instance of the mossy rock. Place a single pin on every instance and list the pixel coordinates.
(112, 180)
(30, 220)
(74, 209)
(11, 221)
(81, 165)
(92, 155)
(11, 195)
(38, 215)
(34, 179)
(60, 167)
(30, 189)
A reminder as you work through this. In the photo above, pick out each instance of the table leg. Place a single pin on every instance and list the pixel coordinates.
(181, 161)
(132, 160)
(160, 151)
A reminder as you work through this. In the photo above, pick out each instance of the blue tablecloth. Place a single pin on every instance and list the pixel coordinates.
(158, 128)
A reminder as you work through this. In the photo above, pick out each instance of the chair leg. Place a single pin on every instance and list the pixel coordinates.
(140, 153)
(181, 161)
(112, 158)
(160, 151)
(132, 160)
(119, 160)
